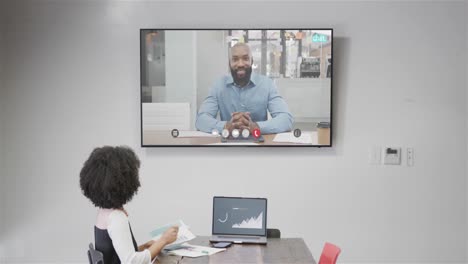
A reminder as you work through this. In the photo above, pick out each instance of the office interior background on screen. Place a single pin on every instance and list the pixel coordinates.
(180, 66)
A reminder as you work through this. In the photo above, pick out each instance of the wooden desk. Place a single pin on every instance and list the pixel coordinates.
(162, 138)
(277, 251)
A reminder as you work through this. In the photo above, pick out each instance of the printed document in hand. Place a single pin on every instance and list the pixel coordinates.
(188, 250)
(183, 235)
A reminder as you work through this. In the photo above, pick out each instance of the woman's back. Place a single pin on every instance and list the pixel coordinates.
(113, 219)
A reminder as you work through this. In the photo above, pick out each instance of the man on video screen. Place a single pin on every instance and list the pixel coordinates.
(244, 99)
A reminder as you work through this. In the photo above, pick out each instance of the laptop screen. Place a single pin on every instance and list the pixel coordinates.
(239, 216)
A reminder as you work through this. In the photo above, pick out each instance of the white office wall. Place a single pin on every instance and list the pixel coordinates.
(2, 124)
(210, 44)
(308, 98)
(466, 109)
(181, 61)
(73, 84)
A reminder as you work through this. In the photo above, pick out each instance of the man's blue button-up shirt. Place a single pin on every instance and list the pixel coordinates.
(257, 97)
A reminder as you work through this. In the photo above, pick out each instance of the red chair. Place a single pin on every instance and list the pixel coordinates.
(330, 254)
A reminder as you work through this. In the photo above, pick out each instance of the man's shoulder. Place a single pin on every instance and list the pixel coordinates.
(226, 79)
(261, 80)
(222, 81)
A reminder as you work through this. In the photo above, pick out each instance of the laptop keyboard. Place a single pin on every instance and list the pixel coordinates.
(240, 237)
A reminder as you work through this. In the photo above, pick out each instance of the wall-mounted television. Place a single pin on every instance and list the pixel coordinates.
(236, 87)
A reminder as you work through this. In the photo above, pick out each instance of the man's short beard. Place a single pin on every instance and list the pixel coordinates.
(245, 80)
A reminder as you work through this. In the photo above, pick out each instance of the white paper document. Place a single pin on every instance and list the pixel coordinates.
(193, 251)
(307, 137)
(194, 134)
(183, 235)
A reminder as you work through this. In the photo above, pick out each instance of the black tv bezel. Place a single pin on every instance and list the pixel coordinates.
(240, 145)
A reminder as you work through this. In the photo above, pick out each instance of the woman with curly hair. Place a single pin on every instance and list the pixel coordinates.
(109, 178)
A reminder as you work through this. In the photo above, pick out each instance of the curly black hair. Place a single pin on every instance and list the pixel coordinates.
(109, 178)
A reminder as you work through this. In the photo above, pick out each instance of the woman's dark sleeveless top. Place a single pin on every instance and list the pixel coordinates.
(103, 243)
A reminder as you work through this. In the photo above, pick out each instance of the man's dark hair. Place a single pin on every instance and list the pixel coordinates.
(109, 178)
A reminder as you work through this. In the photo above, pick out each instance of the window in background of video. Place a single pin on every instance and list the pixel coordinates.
(287, 53)
(154, 62)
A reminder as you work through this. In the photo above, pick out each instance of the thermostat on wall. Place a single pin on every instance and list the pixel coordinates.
(392, 156)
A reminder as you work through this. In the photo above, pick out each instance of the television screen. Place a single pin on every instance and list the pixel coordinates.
(236, 87)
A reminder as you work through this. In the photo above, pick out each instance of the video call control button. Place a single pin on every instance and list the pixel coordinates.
(256, 133)
(175, 133)
(297, 132)
(245, 133)
(225, 133)
(235, 133)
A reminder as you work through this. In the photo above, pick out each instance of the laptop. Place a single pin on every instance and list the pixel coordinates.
(239, 220)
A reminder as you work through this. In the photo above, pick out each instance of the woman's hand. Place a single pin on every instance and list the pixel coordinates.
(167, 237)
(170, 235)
